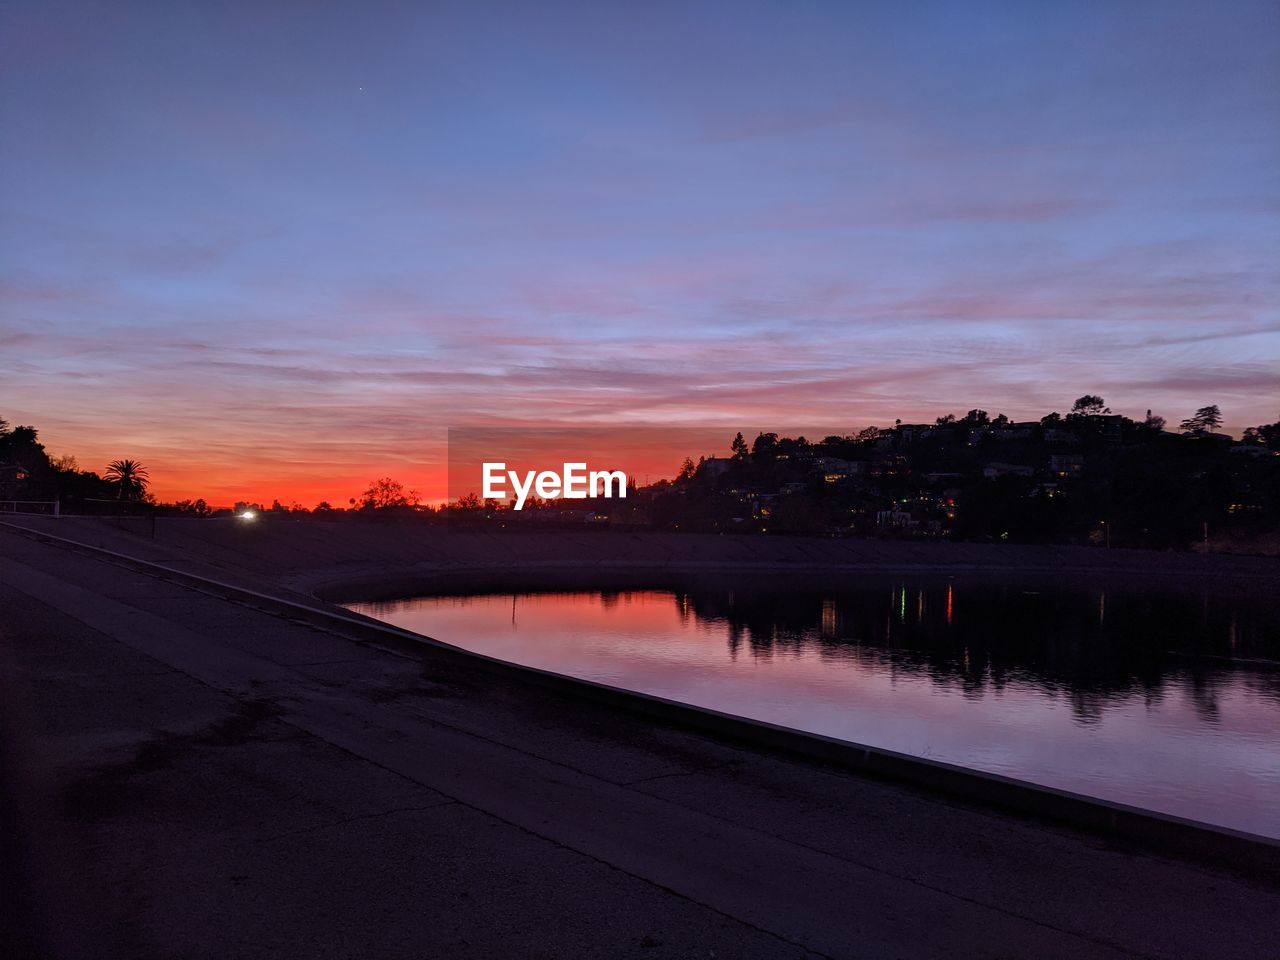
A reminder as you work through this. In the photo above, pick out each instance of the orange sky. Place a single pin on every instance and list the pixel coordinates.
(289, 278)
(307, 470)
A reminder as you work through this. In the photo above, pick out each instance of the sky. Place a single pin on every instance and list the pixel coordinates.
(275, 250)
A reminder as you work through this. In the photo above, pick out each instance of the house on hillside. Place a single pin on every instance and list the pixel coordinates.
(1066, 464)
(995, 469)
(12, 479)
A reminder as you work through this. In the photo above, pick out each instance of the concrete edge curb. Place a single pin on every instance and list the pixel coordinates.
(1251, 854)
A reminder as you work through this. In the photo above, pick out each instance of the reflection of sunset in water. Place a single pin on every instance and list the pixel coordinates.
(1129, 697)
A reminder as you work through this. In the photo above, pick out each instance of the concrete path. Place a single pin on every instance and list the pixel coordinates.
(189, 776)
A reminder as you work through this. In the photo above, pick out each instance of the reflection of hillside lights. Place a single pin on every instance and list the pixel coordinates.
(248, 515)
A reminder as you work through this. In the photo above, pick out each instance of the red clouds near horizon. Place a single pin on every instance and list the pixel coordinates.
(279, 255)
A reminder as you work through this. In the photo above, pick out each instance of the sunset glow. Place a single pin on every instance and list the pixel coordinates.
(277, 252)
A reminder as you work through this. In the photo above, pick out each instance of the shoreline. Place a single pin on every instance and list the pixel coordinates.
(349, 561)
(327, 770)
(1255, 854)
(391, 584)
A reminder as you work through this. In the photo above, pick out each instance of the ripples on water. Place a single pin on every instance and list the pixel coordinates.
(1164, 700)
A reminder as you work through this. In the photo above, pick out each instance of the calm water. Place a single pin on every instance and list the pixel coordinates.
(1161, 701)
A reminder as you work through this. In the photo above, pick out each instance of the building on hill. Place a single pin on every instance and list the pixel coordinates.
(713, 467)
(1066, 464)
(996, 469)
(911, 432)
(12, 478)
(1014, 431)
(1257, 451)
(1109, 426)
(842, 468)
(1056, 436)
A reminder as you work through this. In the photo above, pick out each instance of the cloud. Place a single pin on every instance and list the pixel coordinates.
(269, 278)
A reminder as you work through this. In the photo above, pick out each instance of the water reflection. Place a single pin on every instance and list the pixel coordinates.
(1164, 700)
(1081, 645)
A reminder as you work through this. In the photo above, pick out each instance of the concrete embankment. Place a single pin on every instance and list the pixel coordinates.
(365, 559)
(231, 772)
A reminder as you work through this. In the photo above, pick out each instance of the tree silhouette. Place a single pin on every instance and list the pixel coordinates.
(1206, 418)
(739, 447)
(1090, 405)
(1266, 435)
(764, 447)
(385, 492)
(21, 445)
(130, 478)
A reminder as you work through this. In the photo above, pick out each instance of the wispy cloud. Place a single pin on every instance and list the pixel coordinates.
(286, 278)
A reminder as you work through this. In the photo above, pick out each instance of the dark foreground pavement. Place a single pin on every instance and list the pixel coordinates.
(188, 776)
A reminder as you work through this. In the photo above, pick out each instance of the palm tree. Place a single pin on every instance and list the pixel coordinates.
(129, 476)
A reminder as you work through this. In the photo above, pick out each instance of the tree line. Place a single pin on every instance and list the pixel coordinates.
(1089, 475)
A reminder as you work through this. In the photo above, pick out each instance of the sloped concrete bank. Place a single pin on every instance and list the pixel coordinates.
(479, 564)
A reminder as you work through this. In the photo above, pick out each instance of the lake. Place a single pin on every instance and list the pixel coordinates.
(1164, 700)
